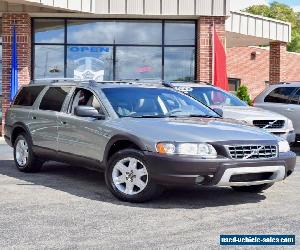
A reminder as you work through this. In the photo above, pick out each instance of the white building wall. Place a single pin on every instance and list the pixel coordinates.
(140, 7)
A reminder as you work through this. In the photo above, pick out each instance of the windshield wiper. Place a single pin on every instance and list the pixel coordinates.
(147, 116)
(204, 116)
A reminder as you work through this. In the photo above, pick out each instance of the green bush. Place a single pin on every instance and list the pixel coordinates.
(243, 94)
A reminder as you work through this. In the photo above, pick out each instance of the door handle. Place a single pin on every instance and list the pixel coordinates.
(289, 109)
(63, 122)
(34, 118)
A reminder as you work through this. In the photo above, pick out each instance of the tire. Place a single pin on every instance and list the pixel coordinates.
(252, 189)
(130, 183)
(24, 158)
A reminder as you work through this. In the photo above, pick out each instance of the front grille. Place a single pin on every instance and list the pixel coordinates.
(252, 152)
(267, 124)
(251, 177)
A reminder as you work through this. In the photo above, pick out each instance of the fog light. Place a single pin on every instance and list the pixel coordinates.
(200, 179)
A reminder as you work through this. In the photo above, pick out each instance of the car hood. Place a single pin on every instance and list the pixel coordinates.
(155, 130)
(248, 113)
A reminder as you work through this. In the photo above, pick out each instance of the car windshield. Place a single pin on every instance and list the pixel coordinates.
(154, 102)
(212, 96)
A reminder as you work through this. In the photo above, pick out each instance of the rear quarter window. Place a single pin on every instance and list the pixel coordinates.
(280, 95)
(28, 95)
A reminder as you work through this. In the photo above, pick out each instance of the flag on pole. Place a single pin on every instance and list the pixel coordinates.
(219, 63)
(14, 83)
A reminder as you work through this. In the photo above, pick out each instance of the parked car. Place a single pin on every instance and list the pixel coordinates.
(143, 137)
(234, 108)
(283, 98)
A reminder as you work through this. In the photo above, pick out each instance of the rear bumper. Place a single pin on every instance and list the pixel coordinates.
(7, 134)
(182, 170)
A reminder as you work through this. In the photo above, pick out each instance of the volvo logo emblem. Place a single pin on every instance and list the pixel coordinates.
(254, 152)
(270, 124)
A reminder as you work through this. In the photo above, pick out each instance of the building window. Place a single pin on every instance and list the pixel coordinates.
(138, 62)
(49, 61)
(179, 33)
(234, 84)
(114, 32)
(49, 31)
(114, 49)
(0, 70)
(179, 63)
(90, 62)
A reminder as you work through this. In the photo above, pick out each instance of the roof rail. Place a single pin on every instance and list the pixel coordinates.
(71, 80)
(189, 82)
(53, 80)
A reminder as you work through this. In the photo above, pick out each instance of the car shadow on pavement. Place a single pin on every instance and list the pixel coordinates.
(91, 185)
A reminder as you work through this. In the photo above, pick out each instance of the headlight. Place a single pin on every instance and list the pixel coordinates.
(284, 146)
(196, 149)
(289, 125)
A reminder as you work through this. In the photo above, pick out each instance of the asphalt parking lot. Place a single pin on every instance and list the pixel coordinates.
(66, 207)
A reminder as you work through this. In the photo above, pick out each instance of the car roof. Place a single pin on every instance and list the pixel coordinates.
(288, 84)
(99, 84)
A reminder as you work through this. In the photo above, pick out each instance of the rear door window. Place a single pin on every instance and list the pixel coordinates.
(280, 95)
(296, 98)
(28, 95)
(54, 98)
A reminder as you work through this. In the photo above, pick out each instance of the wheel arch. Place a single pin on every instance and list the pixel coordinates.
(120, 142)
(17, 129)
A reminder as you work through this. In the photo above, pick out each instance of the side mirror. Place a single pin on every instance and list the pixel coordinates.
(218, 111)
(86, 111)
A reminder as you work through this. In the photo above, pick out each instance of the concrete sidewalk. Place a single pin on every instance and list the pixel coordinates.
(2, 141)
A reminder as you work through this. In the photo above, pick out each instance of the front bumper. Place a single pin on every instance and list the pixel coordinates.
(183, 170)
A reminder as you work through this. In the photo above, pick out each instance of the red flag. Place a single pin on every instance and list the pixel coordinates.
(220, 70)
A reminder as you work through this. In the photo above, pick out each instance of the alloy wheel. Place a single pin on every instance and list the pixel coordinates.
(130, 176)
(22, 152)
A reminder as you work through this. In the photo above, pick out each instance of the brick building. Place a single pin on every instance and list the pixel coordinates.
(250, 66)
(126, 39)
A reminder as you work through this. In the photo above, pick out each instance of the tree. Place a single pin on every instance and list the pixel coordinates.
(284, 13)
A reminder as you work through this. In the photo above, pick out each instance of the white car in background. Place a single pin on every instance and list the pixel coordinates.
(283, 98)
(234, 108)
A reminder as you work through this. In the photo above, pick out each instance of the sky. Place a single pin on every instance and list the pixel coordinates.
(241, 4)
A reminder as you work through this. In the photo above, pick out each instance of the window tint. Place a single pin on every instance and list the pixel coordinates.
(28, 95)
(296, 98)
(54, 98)
(280, 95)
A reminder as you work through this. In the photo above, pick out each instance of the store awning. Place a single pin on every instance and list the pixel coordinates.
(176, 8)
(244, 29)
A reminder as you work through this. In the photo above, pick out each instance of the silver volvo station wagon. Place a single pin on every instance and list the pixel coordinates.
(144, 136)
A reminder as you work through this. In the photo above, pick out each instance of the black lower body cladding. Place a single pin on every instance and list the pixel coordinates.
(177, 170)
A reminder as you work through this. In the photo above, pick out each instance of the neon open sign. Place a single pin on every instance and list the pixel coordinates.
(92, 49)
